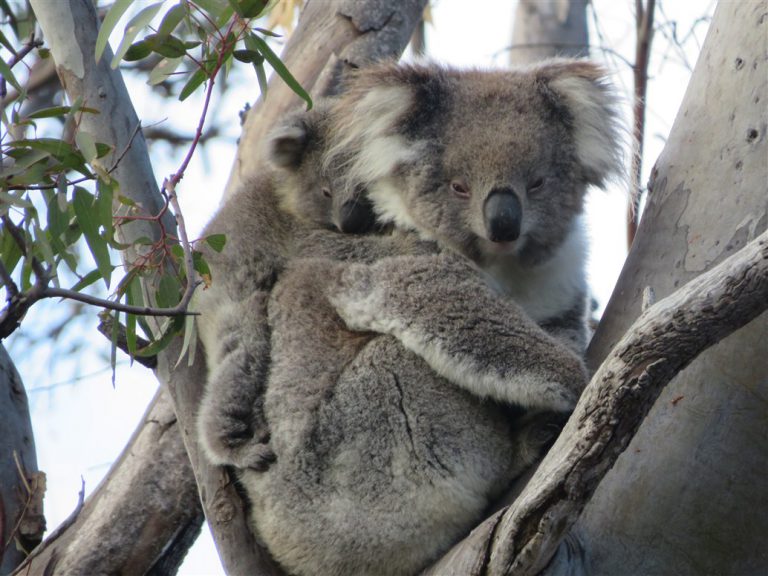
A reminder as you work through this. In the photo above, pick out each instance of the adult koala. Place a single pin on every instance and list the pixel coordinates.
(493, 165)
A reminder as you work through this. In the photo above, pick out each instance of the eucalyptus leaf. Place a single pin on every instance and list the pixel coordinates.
(110, 21)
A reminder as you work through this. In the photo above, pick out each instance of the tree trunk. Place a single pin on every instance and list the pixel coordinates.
(548, 29)
(140, 516)
(689, 496)
(21, 485)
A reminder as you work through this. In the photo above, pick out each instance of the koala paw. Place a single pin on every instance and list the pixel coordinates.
(254, 456)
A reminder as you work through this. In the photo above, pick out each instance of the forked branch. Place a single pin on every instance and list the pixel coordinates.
(664, 340)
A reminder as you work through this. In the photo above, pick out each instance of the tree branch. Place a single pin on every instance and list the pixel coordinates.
(644, 26)
(665, 339)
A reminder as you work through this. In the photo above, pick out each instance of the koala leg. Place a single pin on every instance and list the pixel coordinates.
(232, 427)
(440, 308)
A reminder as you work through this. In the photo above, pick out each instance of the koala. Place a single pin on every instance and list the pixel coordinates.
(493, 165)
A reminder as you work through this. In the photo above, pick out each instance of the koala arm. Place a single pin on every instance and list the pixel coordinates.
(368, 248)
(231, 424)
(440, 308)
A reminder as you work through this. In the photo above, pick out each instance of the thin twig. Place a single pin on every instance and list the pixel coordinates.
(10, 286)
(640, 71)
(30, 45)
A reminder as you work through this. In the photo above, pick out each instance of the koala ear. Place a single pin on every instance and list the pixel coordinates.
(593, 106)
(288, 143)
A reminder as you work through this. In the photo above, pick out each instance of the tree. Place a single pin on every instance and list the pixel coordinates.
(724, 70)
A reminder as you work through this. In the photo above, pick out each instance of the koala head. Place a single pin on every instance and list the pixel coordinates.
(488, 162)
(307, 186)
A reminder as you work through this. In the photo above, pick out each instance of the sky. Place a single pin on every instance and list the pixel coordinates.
(81, 422)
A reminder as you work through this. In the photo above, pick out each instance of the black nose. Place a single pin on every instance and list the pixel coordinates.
(503, 215)
(356, 216)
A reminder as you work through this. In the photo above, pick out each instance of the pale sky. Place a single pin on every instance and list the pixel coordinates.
(81, 426)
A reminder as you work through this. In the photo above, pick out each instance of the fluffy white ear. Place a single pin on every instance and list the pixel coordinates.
(367, 139)
(593, 105)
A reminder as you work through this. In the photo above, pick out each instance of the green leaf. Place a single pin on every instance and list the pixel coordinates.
(58, 219)
(10, 253)
(64, 152)
(113, 352)
(248, 8)
(86, 280)
(4, 41)
(102, 149)
(197, 78)
(137, 51)
(261, 76)
(23, 159)
(248, 56)
(163, 70)
(87, 218)
(171, 20)
(214, 8)
(278, 66)
(103, 205)
(86, 145)
(200, 265)
(5, 72)
(169, 291)
(190, 341)
(132, 29)
(168, 46)
(216, 241)
(110, 21)
(51, 112)
(266, 32)
(173, 326)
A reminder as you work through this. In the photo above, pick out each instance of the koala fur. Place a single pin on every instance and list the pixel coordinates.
(492, 164)
(389, 382)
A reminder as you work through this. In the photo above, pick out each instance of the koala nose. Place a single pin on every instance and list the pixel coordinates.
(503, 215)
(356, 216)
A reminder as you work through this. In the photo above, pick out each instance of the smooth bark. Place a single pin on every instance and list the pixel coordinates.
(689, 496)
(547, 29)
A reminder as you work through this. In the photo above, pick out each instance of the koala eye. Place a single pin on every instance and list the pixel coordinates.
(536, 184)
(326, 191)
(460, 188)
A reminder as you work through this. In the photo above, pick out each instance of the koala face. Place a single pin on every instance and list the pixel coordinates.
(491, 163)
(307, 185)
